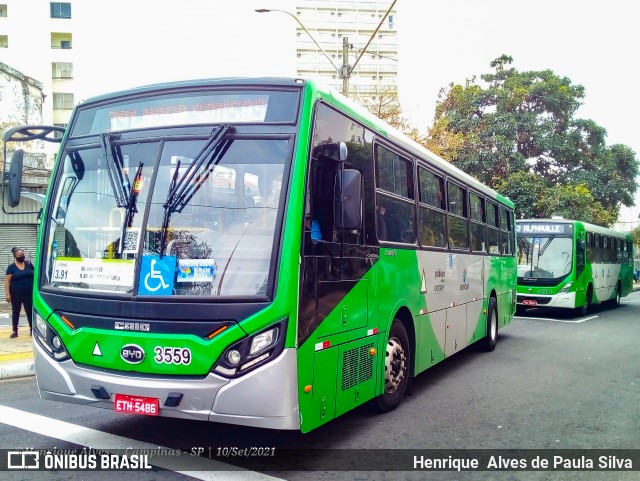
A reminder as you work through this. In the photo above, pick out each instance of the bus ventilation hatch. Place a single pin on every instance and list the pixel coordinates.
(357, 366)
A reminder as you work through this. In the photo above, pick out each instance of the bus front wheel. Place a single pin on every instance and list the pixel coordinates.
(586, 307)
(396, 367)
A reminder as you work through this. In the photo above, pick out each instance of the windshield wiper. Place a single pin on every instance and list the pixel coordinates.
(131, 208)
(182, 189)
(545, 246)
(113, 158)
(526, 247)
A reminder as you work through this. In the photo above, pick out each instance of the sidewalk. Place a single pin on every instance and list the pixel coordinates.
(16, 355)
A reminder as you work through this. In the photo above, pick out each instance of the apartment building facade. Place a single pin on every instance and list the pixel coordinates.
(346, 31)
(44, 30)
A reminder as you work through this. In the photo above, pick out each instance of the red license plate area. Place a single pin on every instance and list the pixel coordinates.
(530, 302)
(123, 403)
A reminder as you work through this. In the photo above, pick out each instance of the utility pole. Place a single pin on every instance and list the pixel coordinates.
(346, 69)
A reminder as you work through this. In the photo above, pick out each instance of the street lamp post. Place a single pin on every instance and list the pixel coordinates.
(345, 70)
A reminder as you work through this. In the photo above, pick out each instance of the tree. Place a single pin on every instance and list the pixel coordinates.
(636, 239)
(517, 132)
(385, 105)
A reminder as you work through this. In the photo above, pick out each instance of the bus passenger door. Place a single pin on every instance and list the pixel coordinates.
(342, 282)
(335, 295)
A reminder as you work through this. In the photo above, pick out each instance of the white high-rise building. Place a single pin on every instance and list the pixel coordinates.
(346, 26)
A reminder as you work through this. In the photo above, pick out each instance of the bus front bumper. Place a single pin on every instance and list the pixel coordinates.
(564, 301)
(266, 397)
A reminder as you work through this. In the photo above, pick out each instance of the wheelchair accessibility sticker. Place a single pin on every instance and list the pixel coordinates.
(157, 275)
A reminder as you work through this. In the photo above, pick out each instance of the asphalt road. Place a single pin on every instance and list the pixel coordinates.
(554, 382)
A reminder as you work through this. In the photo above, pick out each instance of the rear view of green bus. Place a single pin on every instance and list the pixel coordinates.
(571, 264)
(258, 252)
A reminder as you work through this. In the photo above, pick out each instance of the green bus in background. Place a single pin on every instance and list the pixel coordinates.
(570, 264)
(260, 252)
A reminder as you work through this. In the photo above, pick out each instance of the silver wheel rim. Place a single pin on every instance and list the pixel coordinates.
(394, 365)
(493, 326)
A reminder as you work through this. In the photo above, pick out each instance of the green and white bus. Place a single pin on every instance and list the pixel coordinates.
(259, 252)
(571, 264)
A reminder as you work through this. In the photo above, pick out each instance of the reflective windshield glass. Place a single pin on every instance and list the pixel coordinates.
(544, 257)
(113, 228)
(222, 236)
(86, 224)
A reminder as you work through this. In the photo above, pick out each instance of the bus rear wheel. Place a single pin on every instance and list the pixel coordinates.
(396, 368)
(490, 340)
(615, 302)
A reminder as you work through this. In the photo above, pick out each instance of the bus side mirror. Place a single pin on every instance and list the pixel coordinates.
(15, 177)
(336, 151)
(347, 206)
(342, 151)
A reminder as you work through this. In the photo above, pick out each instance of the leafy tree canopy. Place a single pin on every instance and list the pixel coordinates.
(517, 132)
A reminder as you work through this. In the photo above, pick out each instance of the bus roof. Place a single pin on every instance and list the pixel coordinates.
(199, 83)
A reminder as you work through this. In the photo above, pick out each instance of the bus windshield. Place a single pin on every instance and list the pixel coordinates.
(205, 208)
(548, 257)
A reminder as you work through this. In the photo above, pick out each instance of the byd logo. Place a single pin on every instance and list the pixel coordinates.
(132, 354)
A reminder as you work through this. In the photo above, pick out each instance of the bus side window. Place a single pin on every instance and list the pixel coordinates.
(395, 213)
(580, 255)
(432, 219)
(492, 228)
(457, 208)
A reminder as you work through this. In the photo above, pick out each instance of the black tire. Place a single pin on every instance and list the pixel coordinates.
(615, 302)
(396, 368)
(488, 343)
(586, 308)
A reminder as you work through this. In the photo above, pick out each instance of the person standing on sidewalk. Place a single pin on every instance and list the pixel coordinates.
(18, 288)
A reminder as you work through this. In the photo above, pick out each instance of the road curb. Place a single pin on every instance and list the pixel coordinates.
(17, 369)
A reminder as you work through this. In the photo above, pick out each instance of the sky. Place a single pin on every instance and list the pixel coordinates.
(592, 43)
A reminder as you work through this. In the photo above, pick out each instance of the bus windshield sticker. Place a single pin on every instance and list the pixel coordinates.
(157, 275)
(196, 270)
(131, 240)
(118, 272)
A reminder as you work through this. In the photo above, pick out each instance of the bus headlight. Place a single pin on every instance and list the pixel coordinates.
(263, 340)
(234, 357)
(251, 352)
(49, 340)
(566, 288)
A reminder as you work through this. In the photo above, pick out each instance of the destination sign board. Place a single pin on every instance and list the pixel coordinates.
(542, 228)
